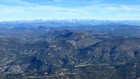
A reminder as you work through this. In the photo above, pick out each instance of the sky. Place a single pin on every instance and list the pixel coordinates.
(11, 10)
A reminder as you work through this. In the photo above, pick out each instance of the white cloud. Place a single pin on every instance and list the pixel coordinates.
(95, 10)
(130, 8)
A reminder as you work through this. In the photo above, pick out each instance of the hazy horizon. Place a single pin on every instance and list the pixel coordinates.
(112, 20)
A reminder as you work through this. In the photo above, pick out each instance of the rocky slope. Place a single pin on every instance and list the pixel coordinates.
(50, 53)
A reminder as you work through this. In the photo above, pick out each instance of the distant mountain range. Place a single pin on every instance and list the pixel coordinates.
(70, 49)
(72, 22)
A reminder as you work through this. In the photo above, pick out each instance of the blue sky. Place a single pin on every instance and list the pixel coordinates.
(69, 9)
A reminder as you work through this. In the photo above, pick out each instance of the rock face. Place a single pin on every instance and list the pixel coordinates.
(69, 54)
